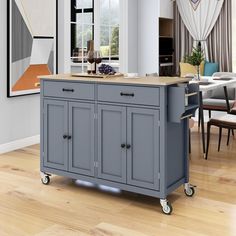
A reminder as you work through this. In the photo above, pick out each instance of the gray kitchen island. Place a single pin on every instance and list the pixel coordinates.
(128, 133)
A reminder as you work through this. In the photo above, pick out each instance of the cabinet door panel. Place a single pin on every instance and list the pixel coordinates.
(55, 126)
(111, 134)
(143, 156)
(81, 146)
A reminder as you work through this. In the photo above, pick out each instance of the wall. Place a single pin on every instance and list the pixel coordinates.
(148, 36)
(19, 117)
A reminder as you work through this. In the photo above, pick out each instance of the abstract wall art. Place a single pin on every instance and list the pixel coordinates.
(32, 44)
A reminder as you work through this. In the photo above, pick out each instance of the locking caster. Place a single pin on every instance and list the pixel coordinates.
(189, 190)
(166, 207)
(45, 178)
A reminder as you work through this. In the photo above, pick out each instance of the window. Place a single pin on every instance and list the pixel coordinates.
(109, 29)
(104, 29)
(82, 28)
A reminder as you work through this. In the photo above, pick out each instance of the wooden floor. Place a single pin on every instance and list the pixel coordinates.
(66, 208)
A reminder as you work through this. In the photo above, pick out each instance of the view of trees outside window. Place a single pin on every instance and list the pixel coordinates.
(83, 27)
(109, 29)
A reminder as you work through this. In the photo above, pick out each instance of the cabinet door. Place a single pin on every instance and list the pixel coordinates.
(55, 127)
(81, 144)
(143, 157)
(111, 135)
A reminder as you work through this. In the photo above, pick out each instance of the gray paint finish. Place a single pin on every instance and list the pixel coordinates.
(143, 157)
(157, 162)
(111, 135)
(81, 146)
(22, 40)
(56, 125)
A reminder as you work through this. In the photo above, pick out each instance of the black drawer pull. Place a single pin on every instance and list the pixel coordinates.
(123, 145)
(65, 136)
(128, 146)
(69, 137)
(68, 90)
(127, 94)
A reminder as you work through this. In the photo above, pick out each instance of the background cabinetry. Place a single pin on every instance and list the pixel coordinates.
(166, 47)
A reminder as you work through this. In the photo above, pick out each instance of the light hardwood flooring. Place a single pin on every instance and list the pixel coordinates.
(65, 208)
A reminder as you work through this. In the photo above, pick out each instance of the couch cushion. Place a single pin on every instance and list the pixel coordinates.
(219, 104)
(220, 94)
(210, 68)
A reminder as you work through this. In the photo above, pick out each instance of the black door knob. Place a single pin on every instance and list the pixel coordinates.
(128, 146)
(69, 137)
(65, 136)
(123, 145)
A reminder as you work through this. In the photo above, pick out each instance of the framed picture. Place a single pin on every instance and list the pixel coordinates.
(32, 44)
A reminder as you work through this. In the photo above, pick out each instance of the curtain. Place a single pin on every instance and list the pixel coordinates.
(199, 17)
(219, 42)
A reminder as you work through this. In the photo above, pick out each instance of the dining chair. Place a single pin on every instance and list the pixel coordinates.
(226, 121)
(217, 102)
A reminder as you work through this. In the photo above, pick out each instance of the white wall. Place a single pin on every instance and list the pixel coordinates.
(148, 13)
(19, 117)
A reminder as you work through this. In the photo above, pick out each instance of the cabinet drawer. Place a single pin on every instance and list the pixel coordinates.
(128, 94)
(69, 90)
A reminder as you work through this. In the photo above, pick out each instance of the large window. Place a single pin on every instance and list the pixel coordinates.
(109, 29)
(96, 20)
(82, 28)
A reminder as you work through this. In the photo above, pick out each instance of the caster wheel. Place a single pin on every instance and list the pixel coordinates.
(45, 180)
(167, 209)
(189, 192)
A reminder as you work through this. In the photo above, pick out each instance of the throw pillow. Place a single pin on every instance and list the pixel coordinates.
(210, 68)
(187, 69)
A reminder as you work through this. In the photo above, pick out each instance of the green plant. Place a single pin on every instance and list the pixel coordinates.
(195, 59)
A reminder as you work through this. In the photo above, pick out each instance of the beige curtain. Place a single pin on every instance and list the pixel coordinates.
(219, 41)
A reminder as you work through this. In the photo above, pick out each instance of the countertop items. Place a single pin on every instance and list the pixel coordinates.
(153, 81)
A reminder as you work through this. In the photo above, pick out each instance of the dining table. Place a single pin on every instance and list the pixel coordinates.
(207, 84)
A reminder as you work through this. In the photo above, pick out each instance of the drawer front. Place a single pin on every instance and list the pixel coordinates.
(69, 90)
(131, 95)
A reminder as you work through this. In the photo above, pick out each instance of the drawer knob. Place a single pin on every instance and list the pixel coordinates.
(123, 145)
(65, 136)
(68, 90)
(128, 146)
(69, 137)
(127, 94)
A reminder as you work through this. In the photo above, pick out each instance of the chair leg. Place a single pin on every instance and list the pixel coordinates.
(208, 138)
(189, 139)
(220, 135)
(228, 137)
(209, 112)
(199, 118)
(232, 132)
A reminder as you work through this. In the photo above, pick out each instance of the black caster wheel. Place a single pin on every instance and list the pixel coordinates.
(45, 180)
(189, 192)
(167, 209)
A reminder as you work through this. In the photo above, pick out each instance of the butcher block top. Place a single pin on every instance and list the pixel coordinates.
(148, 81)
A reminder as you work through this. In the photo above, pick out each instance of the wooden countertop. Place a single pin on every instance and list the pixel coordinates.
(153, 81)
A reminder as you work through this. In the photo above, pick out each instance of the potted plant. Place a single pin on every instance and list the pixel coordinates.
(195, 59)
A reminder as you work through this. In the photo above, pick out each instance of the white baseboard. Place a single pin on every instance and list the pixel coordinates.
(18, 144)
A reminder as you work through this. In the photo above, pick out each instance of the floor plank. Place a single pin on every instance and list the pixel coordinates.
(65, 207)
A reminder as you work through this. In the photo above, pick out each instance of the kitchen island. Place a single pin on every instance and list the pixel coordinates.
(128, 133)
